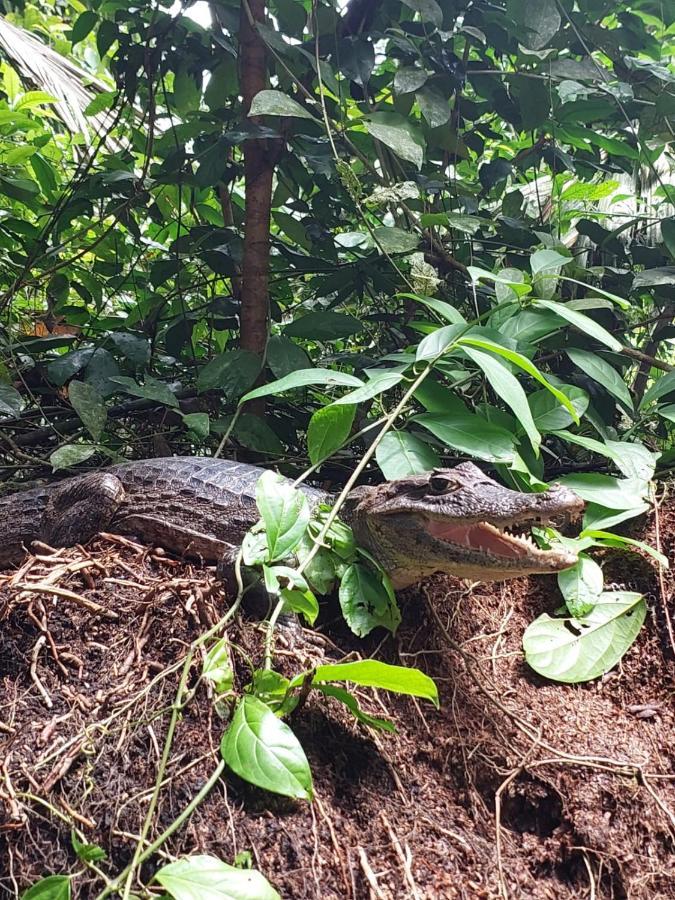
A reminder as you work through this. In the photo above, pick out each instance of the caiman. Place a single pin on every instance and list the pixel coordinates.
(455, 520)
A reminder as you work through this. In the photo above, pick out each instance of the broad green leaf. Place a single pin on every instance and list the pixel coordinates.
(539, 21)
(135, 347)
(151, 389)
(508, 388)
(395, 240)
(400, 455)
(574, 650)
(399, 135)
(53, 887)
(517, 285)
(581, 586)
(547, 412)
(471, 434)
(659, 277)
(263, 750)
(666, 412)
(187, 91)
(631, 459)
(86, 852)
(408, 79)
(276, 103)
(285, 356)
(434, 106)
(302, 602)
(373, 673)
(428, 10)
(285, 512)
(584, 323)
(367, 602)
(11, 401)
(438, 342)
(380, 381)
(320, 571)
(303, 378)
(217, 667)
(70, 455)
(665, 384)
(89, 405)
(608, 539)
(545, 266)
(444, 310)
(600, 518)
(523, 363)
(254, 433)
(199, 423)
(600, 370)
(232, 373)
(668, 235)
(323, 325)
(583, 191)
(605, 490)
(328, 429)
(207, 878)
(84, 24)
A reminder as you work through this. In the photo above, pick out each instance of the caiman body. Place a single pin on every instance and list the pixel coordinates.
(450, 520)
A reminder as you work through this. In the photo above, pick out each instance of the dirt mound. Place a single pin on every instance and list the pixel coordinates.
(516, 788)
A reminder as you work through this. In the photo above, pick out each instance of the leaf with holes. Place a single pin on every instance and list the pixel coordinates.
(573, 650)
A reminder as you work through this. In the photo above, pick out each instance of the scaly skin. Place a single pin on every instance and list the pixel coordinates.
(449, 520)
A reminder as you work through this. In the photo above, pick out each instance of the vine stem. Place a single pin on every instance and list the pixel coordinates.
(176, 708)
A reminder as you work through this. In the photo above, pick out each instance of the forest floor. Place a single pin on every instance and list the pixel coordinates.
(515, 788)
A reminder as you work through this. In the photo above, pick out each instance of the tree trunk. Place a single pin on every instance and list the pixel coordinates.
(258, 170)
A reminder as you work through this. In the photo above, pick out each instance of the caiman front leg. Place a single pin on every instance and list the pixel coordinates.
(79, 509)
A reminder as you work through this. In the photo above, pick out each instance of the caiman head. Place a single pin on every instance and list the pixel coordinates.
(461, 522)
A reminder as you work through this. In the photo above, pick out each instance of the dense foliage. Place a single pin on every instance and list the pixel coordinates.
(436, 230)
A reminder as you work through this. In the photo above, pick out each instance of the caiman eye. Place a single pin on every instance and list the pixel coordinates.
(439, 484)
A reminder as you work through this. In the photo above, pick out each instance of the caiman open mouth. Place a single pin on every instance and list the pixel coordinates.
(512, 542)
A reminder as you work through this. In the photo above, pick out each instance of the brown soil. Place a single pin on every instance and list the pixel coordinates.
(578, 782)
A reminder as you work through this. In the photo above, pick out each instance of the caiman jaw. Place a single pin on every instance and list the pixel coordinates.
(500, 544)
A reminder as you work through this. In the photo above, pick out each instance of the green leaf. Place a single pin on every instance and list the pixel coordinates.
(320, 571)
(84, 25)
(581, 586)
(285, 512)
(70, 455)
(608, 539)
(328, 429)
(86, 852)
(303, 378)
(11, 401)
(323, 326)
(585, 191)
(523, 363)
(599, 370)
(400, 455)
(395, 240)
(380, 381)
(605, 490)
(89, 405)
(408, 79)
(585, 324)
(232, 373)
(367, 602)
(633, 460)
(668, 235)
(22, 189)
(471, 434)
(545, 266)
(574, 650)
(665, 384)
(263, 750)
(397, 133)
(343, 695)
(429, 11)
(151, 389)
(198, 423)
(276, 103)
(660, 277)
(508, 388)
(217, 667)
(539, 21)
(549, 415)
(187, 91)
(302, 602)
(135, 347)
(373, 673)
(433, 106)
(438, 342)
(54, 887)
(444, 310)
(285, 356)
(254, 433)
(207, 878)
